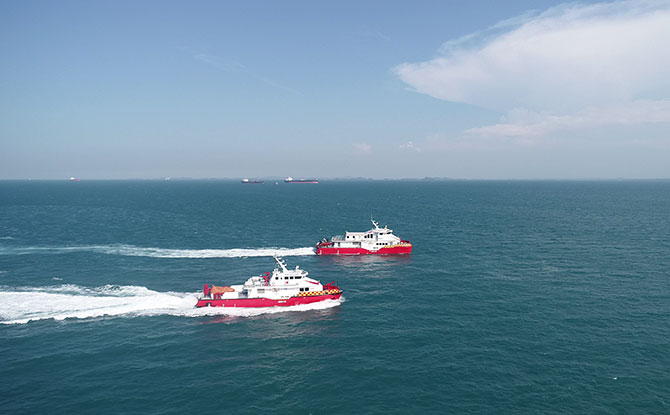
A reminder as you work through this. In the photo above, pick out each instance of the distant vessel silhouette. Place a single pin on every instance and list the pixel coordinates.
(290, 179)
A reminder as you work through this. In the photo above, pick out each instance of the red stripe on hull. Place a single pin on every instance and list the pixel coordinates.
(394, 250)
(266, 302)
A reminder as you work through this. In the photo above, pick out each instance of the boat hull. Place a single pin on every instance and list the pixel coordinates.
(266, 302)
(403, 249)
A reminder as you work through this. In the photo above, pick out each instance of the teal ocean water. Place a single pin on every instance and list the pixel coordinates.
(519, 297)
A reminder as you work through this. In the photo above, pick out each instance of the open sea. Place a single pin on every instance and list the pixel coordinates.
(520, 297)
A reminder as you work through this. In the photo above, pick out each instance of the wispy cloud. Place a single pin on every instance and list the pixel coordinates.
(275, 84)
(573, 66)
(235, 66)
(362, 148)
(410, 145)
(523, 123)
(218, 62)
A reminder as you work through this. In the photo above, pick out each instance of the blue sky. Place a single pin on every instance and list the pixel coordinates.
(518, 89)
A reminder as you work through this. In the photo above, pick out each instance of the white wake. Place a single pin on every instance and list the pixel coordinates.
(22, 305)
(130, 250)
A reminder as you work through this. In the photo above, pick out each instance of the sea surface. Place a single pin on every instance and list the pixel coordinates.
(520, 297)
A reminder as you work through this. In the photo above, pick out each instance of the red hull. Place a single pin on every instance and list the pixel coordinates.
(404, 249)
(266, 302)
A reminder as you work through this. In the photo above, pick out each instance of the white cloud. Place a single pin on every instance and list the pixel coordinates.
(362, 148)
(573, 66)
(410, 145)
(523, 123)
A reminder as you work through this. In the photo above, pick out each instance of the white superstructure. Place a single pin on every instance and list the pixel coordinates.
(282, 283)
(372, 240)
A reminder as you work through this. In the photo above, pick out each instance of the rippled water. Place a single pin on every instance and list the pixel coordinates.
(519, 297)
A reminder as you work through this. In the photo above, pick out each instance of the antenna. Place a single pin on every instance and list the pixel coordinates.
(374, 223)
(281, 262)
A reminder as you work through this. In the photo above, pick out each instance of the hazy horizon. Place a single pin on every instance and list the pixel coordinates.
(483, 91)
(278, 179)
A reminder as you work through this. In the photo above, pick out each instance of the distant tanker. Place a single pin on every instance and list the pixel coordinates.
(292, 180)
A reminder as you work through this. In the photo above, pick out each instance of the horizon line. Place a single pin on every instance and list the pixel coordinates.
(276, 178)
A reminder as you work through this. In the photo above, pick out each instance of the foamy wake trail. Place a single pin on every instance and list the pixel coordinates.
(21, 305)
(130, 250)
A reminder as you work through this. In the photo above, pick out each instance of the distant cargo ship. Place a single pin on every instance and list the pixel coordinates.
(292, 180)
(247, 181)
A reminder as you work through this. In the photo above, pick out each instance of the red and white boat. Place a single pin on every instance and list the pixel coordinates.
(376, 241)
(284, 287)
